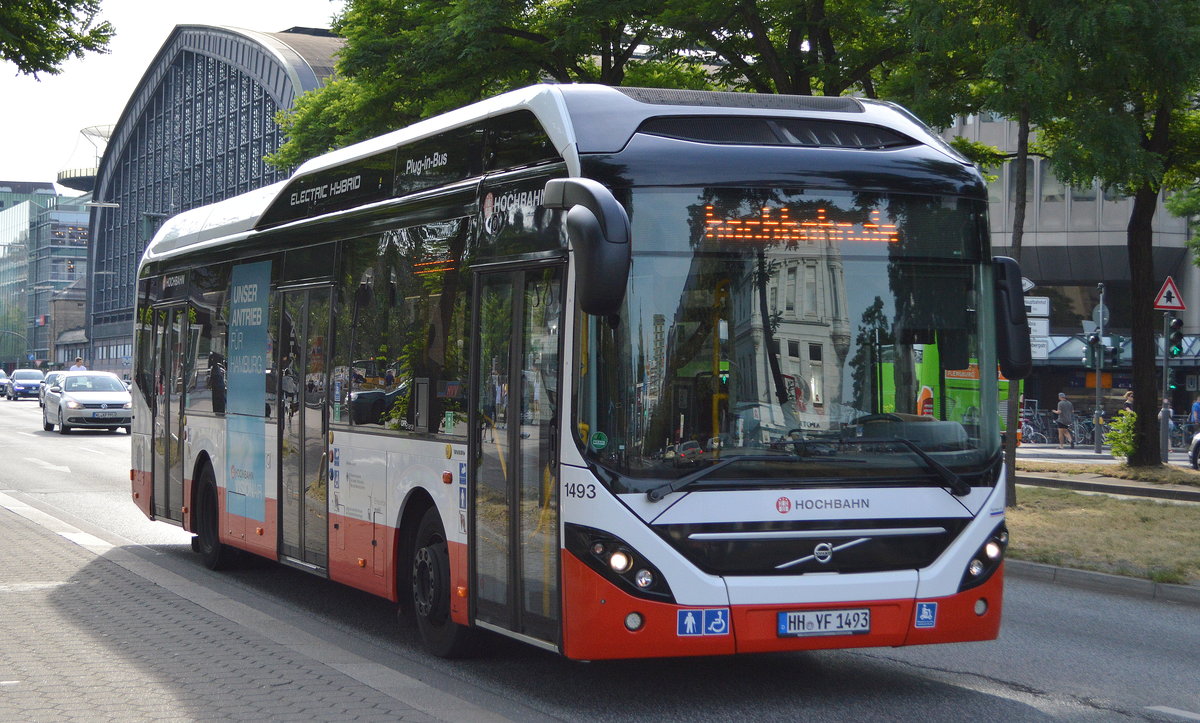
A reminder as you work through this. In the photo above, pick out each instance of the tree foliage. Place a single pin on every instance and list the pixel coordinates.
(39, 35)
(805, 47)
(1132, 70)
(408, 60)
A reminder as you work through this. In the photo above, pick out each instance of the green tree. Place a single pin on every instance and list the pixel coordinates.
(39, 35)
(973, 56)
(805, 47)
(404, 61)
(1132, 68)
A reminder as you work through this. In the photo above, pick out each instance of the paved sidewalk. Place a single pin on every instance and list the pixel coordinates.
(88, 637)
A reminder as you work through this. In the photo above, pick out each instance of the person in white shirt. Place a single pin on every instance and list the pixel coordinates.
(78, 366)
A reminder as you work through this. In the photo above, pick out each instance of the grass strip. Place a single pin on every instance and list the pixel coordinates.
(1138, 538)
(1157, 475)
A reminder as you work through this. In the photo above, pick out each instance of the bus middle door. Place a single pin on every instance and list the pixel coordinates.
(301, 377)
(514, 528)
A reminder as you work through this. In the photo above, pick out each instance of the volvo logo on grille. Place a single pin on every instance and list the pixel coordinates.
(823, 552)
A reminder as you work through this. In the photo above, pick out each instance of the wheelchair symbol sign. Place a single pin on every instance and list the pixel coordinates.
(702, 622)
(926, 615)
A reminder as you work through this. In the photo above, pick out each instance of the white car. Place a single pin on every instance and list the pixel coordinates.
(91, 400)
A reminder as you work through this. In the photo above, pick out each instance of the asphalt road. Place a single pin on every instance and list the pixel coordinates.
(1063, 654)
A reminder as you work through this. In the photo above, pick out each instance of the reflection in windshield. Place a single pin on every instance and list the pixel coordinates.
(764, 322)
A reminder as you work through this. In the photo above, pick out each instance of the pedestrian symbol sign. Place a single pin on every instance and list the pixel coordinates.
(1168, 298)
(702, 622)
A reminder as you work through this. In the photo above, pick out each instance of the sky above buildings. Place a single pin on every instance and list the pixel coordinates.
(42, 119)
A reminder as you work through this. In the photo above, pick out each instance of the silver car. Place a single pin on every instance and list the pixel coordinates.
(87, 400)
(48, 382)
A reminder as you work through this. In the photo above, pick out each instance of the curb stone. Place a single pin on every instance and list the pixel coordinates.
(1104, 582)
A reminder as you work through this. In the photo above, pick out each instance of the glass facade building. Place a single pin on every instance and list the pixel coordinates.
(194, 132)
(43, 250)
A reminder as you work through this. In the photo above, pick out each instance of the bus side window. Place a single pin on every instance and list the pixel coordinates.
(400, 350)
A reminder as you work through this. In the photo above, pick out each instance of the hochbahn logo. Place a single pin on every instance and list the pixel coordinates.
(785, 505)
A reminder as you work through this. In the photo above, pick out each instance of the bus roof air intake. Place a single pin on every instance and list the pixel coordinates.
(805, 132)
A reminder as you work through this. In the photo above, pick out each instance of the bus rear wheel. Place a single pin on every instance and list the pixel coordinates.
(216, 556)
(430, 584)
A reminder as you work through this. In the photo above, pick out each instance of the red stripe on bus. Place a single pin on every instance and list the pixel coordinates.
(360, 555)
(957, 620)
(141, 487)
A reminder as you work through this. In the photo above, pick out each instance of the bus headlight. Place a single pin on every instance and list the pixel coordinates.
(986, 559)
(618, 562)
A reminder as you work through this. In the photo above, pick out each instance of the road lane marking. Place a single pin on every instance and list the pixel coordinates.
(1184, 714)
(47, 465)
(29, 586)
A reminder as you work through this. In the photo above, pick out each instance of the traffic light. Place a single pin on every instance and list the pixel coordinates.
(1171, 379)
(1093, 348)
(1114, 351)
(1175, 345)
(724, 374)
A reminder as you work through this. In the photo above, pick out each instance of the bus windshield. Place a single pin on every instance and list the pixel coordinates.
(818, 335)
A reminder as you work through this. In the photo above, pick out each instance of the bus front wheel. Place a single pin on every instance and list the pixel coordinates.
(430, 578)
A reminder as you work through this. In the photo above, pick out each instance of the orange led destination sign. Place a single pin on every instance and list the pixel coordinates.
(779, 226)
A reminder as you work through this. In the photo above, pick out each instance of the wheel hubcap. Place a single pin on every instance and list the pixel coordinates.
(425, 581)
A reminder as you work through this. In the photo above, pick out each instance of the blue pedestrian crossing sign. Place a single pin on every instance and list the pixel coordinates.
(696, 622)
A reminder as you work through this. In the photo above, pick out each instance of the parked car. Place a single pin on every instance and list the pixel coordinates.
(47, 382)
(23, 383)
(92, 400)
(1194, 451)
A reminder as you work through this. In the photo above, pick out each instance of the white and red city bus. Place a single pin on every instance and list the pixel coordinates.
(601, 369)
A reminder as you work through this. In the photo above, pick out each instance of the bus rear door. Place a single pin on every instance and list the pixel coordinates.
(170, 343)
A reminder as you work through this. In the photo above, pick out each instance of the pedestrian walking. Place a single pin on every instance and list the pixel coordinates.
(1066, 418)
(78, 366)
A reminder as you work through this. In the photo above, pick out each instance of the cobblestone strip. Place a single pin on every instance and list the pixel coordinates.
(89, 637)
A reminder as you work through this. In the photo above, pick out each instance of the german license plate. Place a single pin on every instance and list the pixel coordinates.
(102, 415)
(797, 624)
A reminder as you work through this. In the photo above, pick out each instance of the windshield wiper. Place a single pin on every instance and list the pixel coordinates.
(663, 490)
(675, 485)
(958, 486)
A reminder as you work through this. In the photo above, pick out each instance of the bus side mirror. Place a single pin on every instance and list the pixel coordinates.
(598, 230)
(1012, 326)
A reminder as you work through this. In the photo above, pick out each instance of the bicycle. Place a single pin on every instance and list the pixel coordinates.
(1029, 435)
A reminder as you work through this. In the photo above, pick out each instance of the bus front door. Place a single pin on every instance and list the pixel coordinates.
(514, 529)
(300, 381)
(170, 341)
